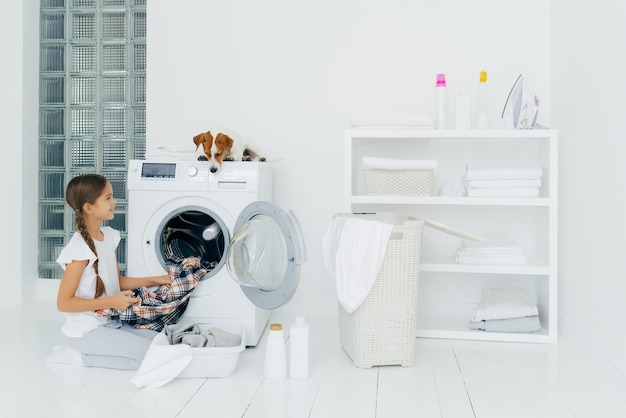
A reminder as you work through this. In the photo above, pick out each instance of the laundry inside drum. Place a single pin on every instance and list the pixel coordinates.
(193, 234)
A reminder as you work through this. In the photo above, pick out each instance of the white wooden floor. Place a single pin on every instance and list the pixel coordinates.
(451, 379)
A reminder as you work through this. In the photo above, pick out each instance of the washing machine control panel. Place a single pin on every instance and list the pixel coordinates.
(248, 176)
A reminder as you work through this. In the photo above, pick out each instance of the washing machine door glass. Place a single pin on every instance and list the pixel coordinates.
(265, 254)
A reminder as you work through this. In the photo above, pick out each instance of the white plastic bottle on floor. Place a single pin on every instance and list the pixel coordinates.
(275, 354)
(299, 348)
(483, 120)
(440, 91)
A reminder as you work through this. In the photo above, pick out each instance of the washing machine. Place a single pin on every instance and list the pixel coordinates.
(179, 209)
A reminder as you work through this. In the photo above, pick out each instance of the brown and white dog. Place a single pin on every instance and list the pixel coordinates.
(224, 148)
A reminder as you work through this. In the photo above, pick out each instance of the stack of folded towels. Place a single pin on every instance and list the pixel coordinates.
(498, 251)
(502, 182)
(506, 310)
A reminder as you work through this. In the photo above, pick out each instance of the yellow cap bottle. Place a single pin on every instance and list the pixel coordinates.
(483, 120)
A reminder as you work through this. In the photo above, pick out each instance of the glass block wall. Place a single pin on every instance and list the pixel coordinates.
(92, 109)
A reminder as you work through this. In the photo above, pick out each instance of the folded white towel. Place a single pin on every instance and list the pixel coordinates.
(508, 192)
(394, 164)
(392, 120)
(522, 324)
(500, 250)
(517, 260)
(353, 253)
(503, 173)
(162, 363)
(500, 242)
(504, 303)
(501, 184)
(492, 252)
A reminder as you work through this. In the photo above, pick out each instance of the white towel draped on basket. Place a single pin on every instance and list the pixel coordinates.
(353, 251)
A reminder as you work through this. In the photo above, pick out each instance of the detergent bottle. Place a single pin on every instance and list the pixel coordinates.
(299, 348)
(483, 120)
(275, 354)
(440, 91)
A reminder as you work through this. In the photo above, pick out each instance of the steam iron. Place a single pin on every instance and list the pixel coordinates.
(521, 107)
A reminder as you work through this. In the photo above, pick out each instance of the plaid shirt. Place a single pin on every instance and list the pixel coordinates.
(166, 304)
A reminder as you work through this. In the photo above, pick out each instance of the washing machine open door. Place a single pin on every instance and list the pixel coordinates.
(265, 253)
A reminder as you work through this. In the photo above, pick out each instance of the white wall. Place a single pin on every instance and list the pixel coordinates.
(11, 114)
(291, 74)
(19, 84)
(11, 122)
(588, 84)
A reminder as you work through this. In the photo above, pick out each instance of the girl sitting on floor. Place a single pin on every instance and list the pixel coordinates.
(91, 281)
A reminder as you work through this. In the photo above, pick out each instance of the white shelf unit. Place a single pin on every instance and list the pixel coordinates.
(449, 292)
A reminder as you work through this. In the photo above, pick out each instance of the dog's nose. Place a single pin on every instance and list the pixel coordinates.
(213, 170)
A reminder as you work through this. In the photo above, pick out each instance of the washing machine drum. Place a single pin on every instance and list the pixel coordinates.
(265, 254)
(193, 234)
(181, 244)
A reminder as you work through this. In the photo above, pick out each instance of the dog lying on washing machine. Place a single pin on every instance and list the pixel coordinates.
(224, 148)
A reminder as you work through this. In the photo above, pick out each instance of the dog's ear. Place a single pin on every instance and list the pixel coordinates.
(225, 141)
(202, 138)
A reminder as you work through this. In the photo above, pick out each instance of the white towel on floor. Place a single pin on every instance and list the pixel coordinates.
(503, 173)
(353, 252)
(395, 164)
(162, 363)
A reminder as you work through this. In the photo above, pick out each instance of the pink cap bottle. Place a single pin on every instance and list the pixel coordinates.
(441, 80)
(440, 88)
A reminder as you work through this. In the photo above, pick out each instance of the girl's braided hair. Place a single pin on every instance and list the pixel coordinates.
(86, 188)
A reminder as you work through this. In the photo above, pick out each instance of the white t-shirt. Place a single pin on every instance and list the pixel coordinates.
(78, 324)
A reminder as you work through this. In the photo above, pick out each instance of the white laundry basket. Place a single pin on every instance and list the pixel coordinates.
(382, 330)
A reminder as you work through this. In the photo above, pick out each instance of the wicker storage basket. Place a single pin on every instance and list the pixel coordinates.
(382, 330)
(398, 182)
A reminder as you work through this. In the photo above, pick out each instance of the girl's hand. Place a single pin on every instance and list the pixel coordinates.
(160, 280)
(124, 299)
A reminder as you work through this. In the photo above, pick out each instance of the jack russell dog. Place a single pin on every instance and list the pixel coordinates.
(224, 148)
